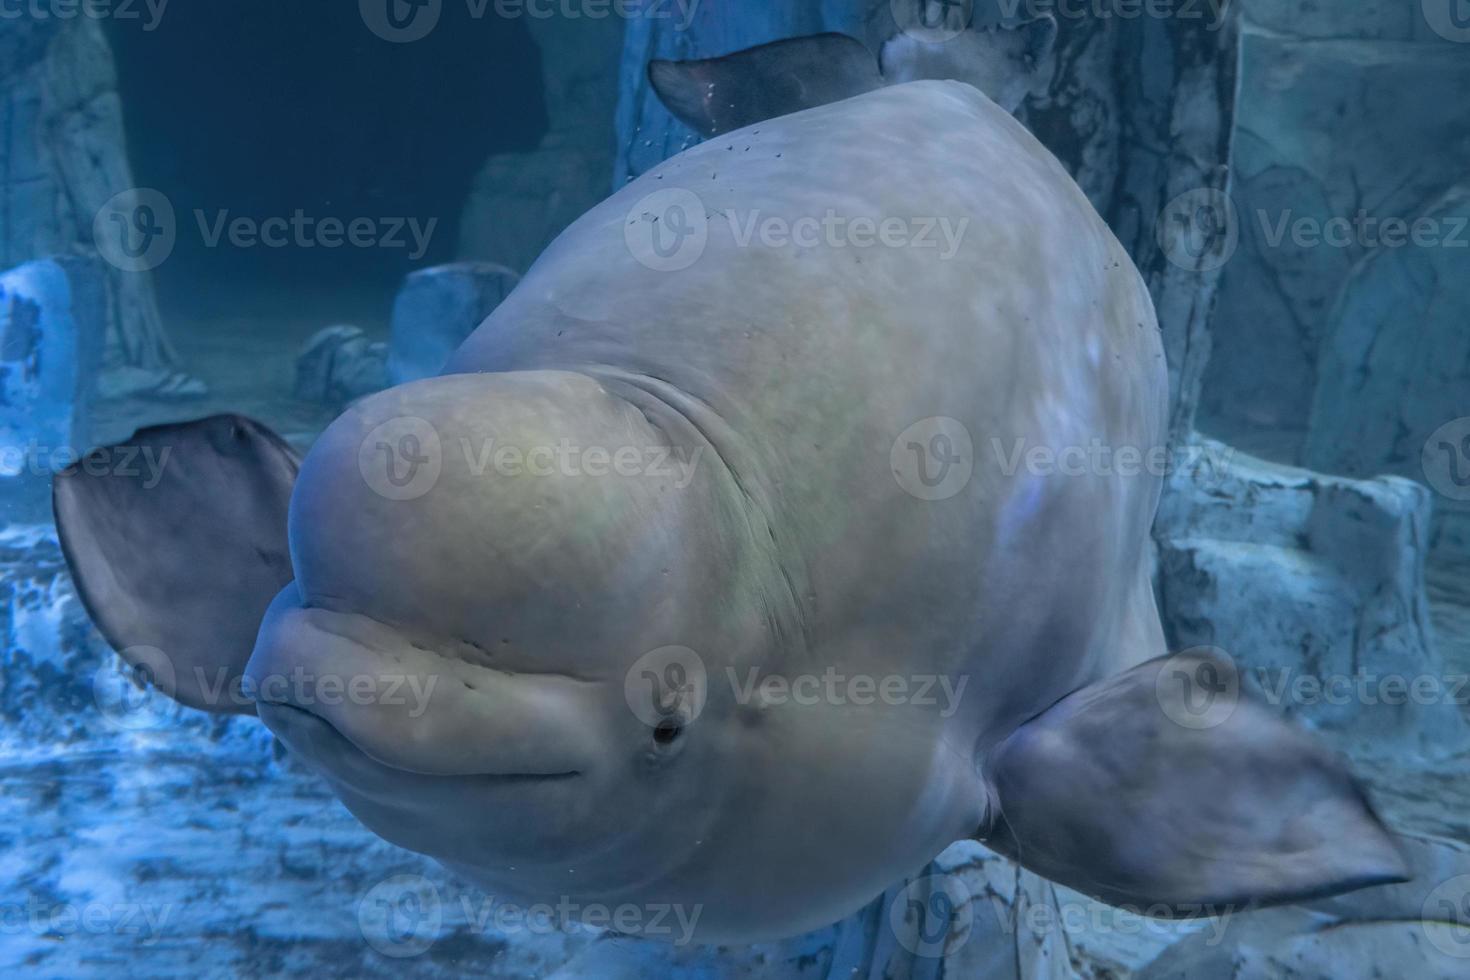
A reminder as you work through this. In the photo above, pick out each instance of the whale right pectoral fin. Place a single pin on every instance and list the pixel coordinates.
(722, 94)
(1164, 791)
(176, 541)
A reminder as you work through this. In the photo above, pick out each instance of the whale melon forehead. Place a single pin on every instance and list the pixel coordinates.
(471, 506)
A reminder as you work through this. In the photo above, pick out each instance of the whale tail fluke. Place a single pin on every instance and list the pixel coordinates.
(718, 95)
(1163, 791)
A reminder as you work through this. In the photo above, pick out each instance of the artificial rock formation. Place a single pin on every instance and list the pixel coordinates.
(340, 364)
(521, 201)
(51, 344)
(436, 309)
(1314, 586)
(64, 158)
(1394, 370)
(1339, 137)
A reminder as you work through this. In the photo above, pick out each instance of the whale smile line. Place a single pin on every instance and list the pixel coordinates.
(281, 711)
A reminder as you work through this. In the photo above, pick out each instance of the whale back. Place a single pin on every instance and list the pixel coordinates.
(1000, 302)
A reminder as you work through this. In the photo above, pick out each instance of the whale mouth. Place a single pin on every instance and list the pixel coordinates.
(408, 708)
(316, 739)
(481, 820)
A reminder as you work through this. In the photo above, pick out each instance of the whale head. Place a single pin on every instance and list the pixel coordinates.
(522, 639)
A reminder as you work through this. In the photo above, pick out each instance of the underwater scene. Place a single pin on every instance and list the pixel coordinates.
(735, 489)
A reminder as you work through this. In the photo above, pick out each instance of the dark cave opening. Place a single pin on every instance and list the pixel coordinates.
(308, 161)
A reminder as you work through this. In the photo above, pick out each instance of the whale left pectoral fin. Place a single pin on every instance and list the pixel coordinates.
(1163, 791)
(176, 540)
(722, 94)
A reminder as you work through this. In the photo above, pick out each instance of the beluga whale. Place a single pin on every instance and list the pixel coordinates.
(705, 576)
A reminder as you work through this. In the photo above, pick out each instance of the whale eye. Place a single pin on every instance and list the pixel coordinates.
(667, 731)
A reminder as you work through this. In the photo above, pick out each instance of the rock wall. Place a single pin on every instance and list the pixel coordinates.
(1314, 586)
(521, 201)
(63, 159)
(437, 309)
(1393, 393)
(51, 342)
(1125, 88)
(1346, 123)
